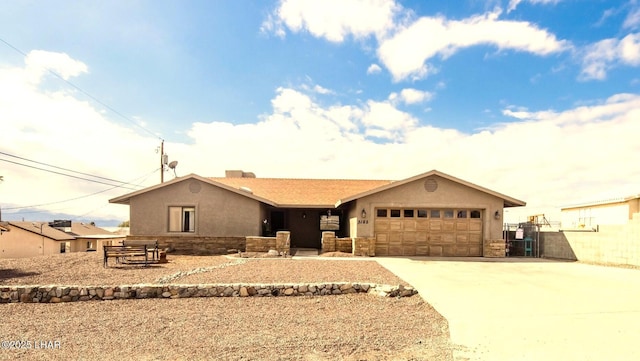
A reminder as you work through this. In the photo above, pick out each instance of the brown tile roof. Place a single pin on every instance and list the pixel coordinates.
(43, 229)
(303, 192)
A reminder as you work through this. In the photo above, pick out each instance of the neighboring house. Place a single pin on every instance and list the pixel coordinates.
(429, 214)
(590, 215)
(28, 239)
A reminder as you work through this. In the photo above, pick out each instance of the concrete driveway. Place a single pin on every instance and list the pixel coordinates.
(530, 309)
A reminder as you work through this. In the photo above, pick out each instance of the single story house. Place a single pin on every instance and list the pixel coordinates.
(29, 239)
(430, 214)
(606, 212)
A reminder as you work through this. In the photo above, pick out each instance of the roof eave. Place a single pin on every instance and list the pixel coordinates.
(508, 201)
(125, 198)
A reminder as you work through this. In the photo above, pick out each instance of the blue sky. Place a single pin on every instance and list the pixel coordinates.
(532, 98)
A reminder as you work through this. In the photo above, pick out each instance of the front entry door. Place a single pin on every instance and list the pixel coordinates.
(277, 221)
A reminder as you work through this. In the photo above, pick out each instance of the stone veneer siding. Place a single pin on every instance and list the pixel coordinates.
(56, 293)
(195, 245)
(281, 243)
(494, 248)
(364, 246)
(330, 243)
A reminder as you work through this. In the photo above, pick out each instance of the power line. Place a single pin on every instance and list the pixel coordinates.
(68, 175)
(87, 94)
(65, 169)
(84, 196)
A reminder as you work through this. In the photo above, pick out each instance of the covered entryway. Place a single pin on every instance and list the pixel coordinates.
(428, 232)
(305, 224)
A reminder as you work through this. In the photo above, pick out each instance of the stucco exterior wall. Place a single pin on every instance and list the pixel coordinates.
(18, 243)
(449, 194)
(219, 212)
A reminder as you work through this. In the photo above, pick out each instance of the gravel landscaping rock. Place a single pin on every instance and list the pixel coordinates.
(342, 327)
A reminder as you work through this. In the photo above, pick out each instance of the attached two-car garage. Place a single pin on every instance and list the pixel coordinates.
(428, 232)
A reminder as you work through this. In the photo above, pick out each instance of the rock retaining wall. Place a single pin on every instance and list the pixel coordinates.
(56, 294)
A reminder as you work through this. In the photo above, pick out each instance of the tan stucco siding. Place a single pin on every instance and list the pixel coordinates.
(219, 212)
(448, 194)
(18, 243)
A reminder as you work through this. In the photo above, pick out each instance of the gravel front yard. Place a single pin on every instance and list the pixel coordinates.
(345, 327)
(86, 269)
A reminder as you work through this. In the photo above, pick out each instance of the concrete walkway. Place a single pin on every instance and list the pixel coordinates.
(530, 309)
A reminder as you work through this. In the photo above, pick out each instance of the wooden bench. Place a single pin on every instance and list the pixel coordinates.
(152, 246)
(133, 252)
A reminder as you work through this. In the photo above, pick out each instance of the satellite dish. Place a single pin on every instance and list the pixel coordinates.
(173, 164)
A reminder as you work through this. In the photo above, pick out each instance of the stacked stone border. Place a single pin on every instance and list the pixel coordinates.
(57, 293)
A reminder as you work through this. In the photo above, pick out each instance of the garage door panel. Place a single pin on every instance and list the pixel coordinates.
(475, 238)
(475, 225)
(475, 251)
(462, 238)
(422, 225)
(462, 251)
(422, 250)
(435, 251)
(448, 226)
(395, 237)
(408, 250)
(409, 225)
(409, 236)
(435, 225)
(395, 250)
(449, 251)
(448, 238)
(395, 225)
(381, 225)
(462, 225)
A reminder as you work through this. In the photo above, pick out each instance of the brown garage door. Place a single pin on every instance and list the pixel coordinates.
(428, 232)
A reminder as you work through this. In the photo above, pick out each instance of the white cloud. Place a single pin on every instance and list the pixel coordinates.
(333, 19)
(40, 62)
(406, 53)
(405, 46)
(414, 96)
(514, 3)
(374, 69)
(54, 127)
(321, 90)
(600, 57)
(548, 158)
(632, 21)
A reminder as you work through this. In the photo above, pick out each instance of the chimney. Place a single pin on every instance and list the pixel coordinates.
(238, 174)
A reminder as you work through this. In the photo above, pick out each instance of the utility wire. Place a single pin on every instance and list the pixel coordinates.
(65, 169)
(87, 94)
(84, 196)
(69, 175)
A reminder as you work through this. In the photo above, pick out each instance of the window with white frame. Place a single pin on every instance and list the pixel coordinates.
(182, 219)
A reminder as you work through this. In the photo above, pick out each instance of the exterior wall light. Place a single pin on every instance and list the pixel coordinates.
(497, 215)
(364, 213)
(304, 215)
